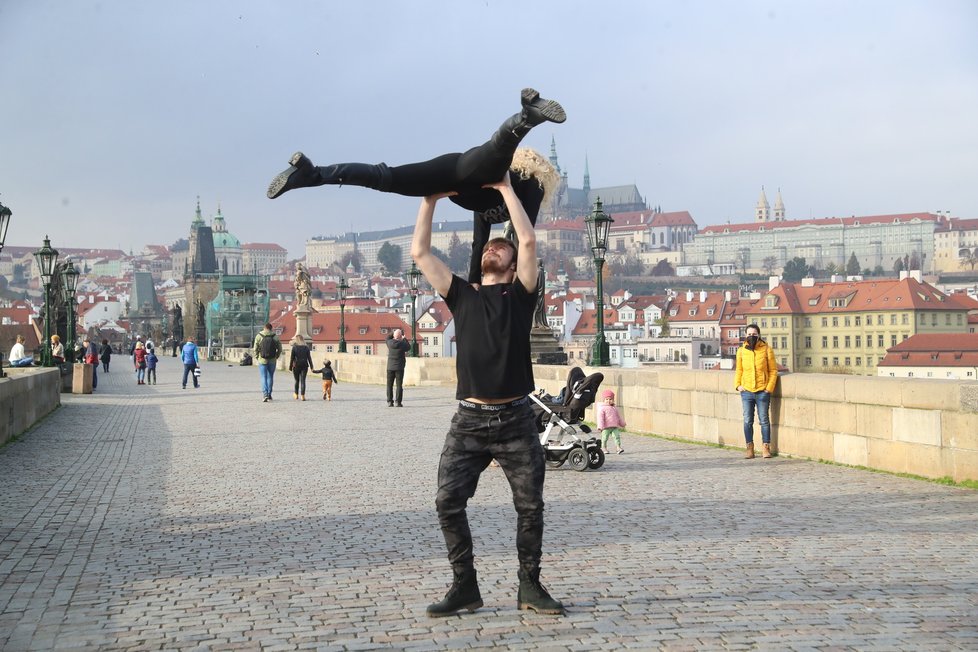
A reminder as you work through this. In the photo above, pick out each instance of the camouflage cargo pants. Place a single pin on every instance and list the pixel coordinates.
(476, 438)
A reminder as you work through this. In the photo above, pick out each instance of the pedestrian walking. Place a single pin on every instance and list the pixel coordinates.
(90, 356)
(190, 356)
(329, 377)
(139, 362)
(300, 361)
(105, 355)
(151, 361)
(610, 421)
(267, 349)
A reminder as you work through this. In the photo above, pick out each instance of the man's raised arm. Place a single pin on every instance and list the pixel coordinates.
(434, 270)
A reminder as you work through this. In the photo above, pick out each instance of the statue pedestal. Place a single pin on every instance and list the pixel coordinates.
(544, 348)
(303, 318)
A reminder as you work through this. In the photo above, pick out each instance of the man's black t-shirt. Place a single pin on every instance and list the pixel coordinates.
(492, 335)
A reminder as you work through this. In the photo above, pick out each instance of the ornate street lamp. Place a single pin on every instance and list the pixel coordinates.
(598, 224)
(414, 278)
(343, 287)
(69, 281)
(47, 258)
(5, 215)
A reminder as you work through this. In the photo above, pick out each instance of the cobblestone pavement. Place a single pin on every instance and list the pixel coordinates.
(160, 518)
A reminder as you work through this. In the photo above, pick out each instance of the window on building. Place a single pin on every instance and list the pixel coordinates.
(784, 342)
(356, 348)
(808, 322)
(329, 348)
(947, 319)
(922, 318)
(774, 342)
(879, 340)
(369, 349)
(784, 322)
(879, 320)
(825, 362)
(905, 319)
(784, 362)
(848, 361)
(859, 341)
(893, 319)
(763, 323)
(845, 321)
(892, 340)
(825, 341)
(825, 321)
(905, 336)
(859, 361)
(848, 341)
(835, 362)
(835, 341)
(808, 362)
(808, 342)
(835, 321)
(960, 321)
(859, 320)
(909, 374)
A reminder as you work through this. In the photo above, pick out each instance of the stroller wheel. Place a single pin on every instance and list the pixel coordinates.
(555, 464)
(595, 457)
(578, 459)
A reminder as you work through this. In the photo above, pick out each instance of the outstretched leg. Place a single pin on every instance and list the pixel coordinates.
(473, 169)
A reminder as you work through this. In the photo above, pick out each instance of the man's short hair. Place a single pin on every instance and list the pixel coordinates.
(268, 326)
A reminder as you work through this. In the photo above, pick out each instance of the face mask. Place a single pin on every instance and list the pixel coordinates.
(752, 340)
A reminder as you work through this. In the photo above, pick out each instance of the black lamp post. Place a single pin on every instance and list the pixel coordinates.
(5, 215)
(414, 278)
(47, 258)
(598, 224)
(343, 287)
(69, 281)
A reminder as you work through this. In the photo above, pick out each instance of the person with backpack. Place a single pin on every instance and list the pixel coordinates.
(139, 362)
(191, 358)
(267, 349)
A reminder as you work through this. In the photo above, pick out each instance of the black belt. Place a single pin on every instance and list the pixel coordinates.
(492, 407)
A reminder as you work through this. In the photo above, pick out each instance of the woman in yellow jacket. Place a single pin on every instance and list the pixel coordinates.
(757, 373)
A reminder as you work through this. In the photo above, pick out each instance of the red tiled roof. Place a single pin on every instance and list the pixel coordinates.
(934, 350)
(888, 294)
(678, 218)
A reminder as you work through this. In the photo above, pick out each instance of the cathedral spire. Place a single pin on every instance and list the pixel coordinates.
(762, 213)
(779, 208)
(587, 177)
(553, 154)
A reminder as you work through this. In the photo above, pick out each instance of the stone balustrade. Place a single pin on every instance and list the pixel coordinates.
(27, 395)
(920, 426)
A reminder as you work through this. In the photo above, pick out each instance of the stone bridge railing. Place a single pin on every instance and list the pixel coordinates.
(27, 395)
(920, 426)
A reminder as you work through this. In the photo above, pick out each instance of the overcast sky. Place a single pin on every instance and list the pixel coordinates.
(115, 115)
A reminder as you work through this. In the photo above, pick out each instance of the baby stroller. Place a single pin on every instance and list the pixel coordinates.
(559, 422)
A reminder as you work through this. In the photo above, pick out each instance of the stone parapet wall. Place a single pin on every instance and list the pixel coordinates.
(27, 395)
(921, 426)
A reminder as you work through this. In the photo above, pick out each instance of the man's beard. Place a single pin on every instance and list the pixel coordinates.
(492, 265)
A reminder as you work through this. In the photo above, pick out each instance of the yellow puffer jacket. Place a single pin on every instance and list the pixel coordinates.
(757, 370)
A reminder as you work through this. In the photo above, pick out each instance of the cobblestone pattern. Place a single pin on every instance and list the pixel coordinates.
(150, 517)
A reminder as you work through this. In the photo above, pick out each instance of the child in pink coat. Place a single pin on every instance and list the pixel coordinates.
(610, 421)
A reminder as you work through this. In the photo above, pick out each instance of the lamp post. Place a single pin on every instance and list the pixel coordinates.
(5, 215)
(69, 281)
(343, 287)
(46, 258)
(598, 224)
(414, 278)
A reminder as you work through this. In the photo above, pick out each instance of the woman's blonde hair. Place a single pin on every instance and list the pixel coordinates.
(531, 163)
(298, 339)
(55, 338)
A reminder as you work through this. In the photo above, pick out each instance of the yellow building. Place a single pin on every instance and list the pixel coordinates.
(847, 326)
(956, 246)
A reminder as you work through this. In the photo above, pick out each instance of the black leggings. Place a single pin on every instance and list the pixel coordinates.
(299, 373)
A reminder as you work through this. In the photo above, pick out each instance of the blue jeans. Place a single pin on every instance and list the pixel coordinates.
(267, 373)
(188, 370)
(762, 402)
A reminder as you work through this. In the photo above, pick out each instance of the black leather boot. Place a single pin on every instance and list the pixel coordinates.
(533, 596)
(463, 595)
(536, 110)
(301, 173)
